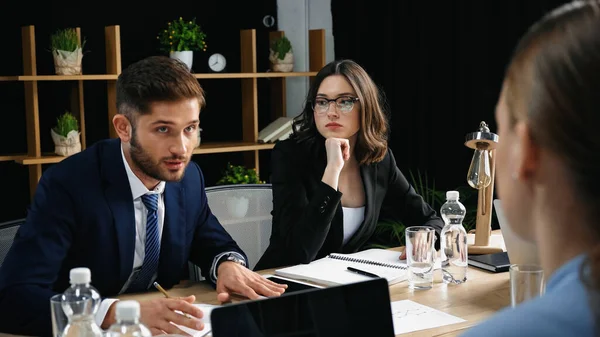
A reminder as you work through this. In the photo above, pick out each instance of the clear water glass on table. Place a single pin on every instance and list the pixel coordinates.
(59, 318)
(420, 256)
(526, 283)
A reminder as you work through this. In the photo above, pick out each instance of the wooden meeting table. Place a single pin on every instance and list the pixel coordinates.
(482, 295)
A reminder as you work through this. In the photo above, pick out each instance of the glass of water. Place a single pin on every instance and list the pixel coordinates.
(526, 282)
(420, 256)
(59, 318)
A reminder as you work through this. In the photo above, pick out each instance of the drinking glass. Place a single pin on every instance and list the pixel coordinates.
(59, 318)
(526, 282)
(420, 256)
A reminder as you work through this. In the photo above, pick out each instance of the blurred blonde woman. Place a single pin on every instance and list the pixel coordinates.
(548, 170)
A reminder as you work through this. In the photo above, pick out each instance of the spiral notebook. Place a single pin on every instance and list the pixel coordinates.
(333, 269)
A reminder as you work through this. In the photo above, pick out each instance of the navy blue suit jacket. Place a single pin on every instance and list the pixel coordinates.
(82, 215)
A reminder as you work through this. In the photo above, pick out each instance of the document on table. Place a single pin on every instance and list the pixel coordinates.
(409, 316)
(206, 310)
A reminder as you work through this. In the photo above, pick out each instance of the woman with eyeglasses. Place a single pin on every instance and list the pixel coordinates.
(335, 177)
(548, 171)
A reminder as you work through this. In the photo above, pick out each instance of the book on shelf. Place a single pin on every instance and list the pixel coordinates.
(333, 268)
(279, 129)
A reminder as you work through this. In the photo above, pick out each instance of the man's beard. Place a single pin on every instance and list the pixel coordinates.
(144, 162)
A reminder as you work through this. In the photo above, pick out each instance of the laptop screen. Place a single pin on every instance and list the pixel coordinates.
(357, 309)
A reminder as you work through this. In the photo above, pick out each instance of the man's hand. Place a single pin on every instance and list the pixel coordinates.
(157, 315)
(235, 278)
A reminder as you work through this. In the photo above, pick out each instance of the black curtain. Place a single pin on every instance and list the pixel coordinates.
(139, 24)
(440, 65)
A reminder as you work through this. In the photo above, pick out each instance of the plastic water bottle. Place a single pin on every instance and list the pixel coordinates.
(80, 303)
(454, 240)
(128, 321)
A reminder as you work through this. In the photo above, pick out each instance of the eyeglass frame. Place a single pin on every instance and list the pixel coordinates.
(337, 106)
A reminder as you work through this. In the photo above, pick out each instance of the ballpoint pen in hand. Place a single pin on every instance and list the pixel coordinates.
(164, 292)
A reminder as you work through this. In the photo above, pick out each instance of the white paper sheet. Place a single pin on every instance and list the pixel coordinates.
(206, 310)
(409, 316)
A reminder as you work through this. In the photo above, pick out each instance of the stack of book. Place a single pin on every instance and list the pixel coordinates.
(279, 129)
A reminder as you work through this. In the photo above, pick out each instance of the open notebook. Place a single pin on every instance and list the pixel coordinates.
(332, 269)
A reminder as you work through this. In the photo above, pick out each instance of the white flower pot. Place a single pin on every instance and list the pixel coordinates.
(66, 62)
(277, 64)
(66, 146)
(186, 56)
(237, 206)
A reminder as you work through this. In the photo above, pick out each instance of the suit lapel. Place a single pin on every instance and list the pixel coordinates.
(120, 201)
(173, 235)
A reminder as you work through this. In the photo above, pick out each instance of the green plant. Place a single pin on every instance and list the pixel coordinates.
(65, 39)
(237, 174)
(65, 124)
(281, 46)
(390, 233)
(181, 35)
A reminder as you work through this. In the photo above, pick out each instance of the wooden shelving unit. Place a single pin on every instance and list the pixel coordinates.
(249, 145)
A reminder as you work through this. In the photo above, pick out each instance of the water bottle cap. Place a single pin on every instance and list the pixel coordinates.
(128, 310)
(80, 276)
(452, 195)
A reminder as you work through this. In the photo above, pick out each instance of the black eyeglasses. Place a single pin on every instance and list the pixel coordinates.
(344, 104)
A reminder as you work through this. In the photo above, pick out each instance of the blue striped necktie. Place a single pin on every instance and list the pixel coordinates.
(152, 250)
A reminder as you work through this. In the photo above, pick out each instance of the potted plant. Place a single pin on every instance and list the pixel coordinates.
(236, 174)
(281, 55)
(66, 51)
(66, 135)
(181, 38)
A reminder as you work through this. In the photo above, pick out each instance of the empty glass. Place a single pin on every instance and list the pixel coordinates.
(420, 256)
(526, 282)
(59, 319)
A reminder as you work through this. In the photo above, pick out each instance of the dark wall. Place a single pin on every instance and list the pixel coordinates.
(139, 24)
(440, 65)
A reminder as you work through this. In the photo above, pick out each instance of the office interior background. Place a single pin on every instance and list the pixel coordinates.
(440, 65)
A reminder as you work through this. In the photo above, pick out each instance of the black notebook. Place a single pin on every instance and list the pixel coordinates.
(496, 263)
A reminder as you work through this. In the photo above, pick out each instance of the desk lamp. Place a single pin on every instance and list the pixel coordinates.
(481, 177)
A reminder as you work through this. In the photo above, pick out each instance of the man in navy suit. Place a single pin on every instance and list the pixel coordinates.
(133, 210)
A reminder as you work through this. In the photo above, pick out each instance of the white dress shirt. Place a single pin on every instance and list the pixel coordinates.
(138, 189)
(353, 218)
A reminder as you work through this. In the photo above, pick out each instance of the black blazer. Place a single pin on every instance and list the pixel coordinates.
(307, 213)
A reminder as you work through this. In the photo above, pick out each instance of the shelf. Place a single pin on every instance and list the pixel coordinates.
(247, 73)
(24, 78)
(48, 159)
(223, 147)
(255, 75)
(220, 147)
(12, 157)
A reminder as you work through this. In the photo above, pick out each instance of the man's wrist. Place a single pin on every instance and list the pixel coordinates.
(230, 257)
(222, 258)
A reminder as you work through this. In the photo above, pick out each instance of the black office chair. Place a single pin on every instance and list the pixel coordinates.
(8, 230)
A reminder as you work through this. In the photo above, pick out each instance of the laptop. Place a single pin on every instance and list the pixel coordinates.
(357, 309)
(519, 251)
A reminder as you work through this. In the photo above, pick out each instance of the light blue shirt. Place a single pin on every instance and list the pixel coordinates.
(564, 310)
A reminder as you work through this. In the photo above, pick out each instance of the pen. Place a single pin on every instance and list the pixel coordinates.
(362, 272)
(164, 292)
